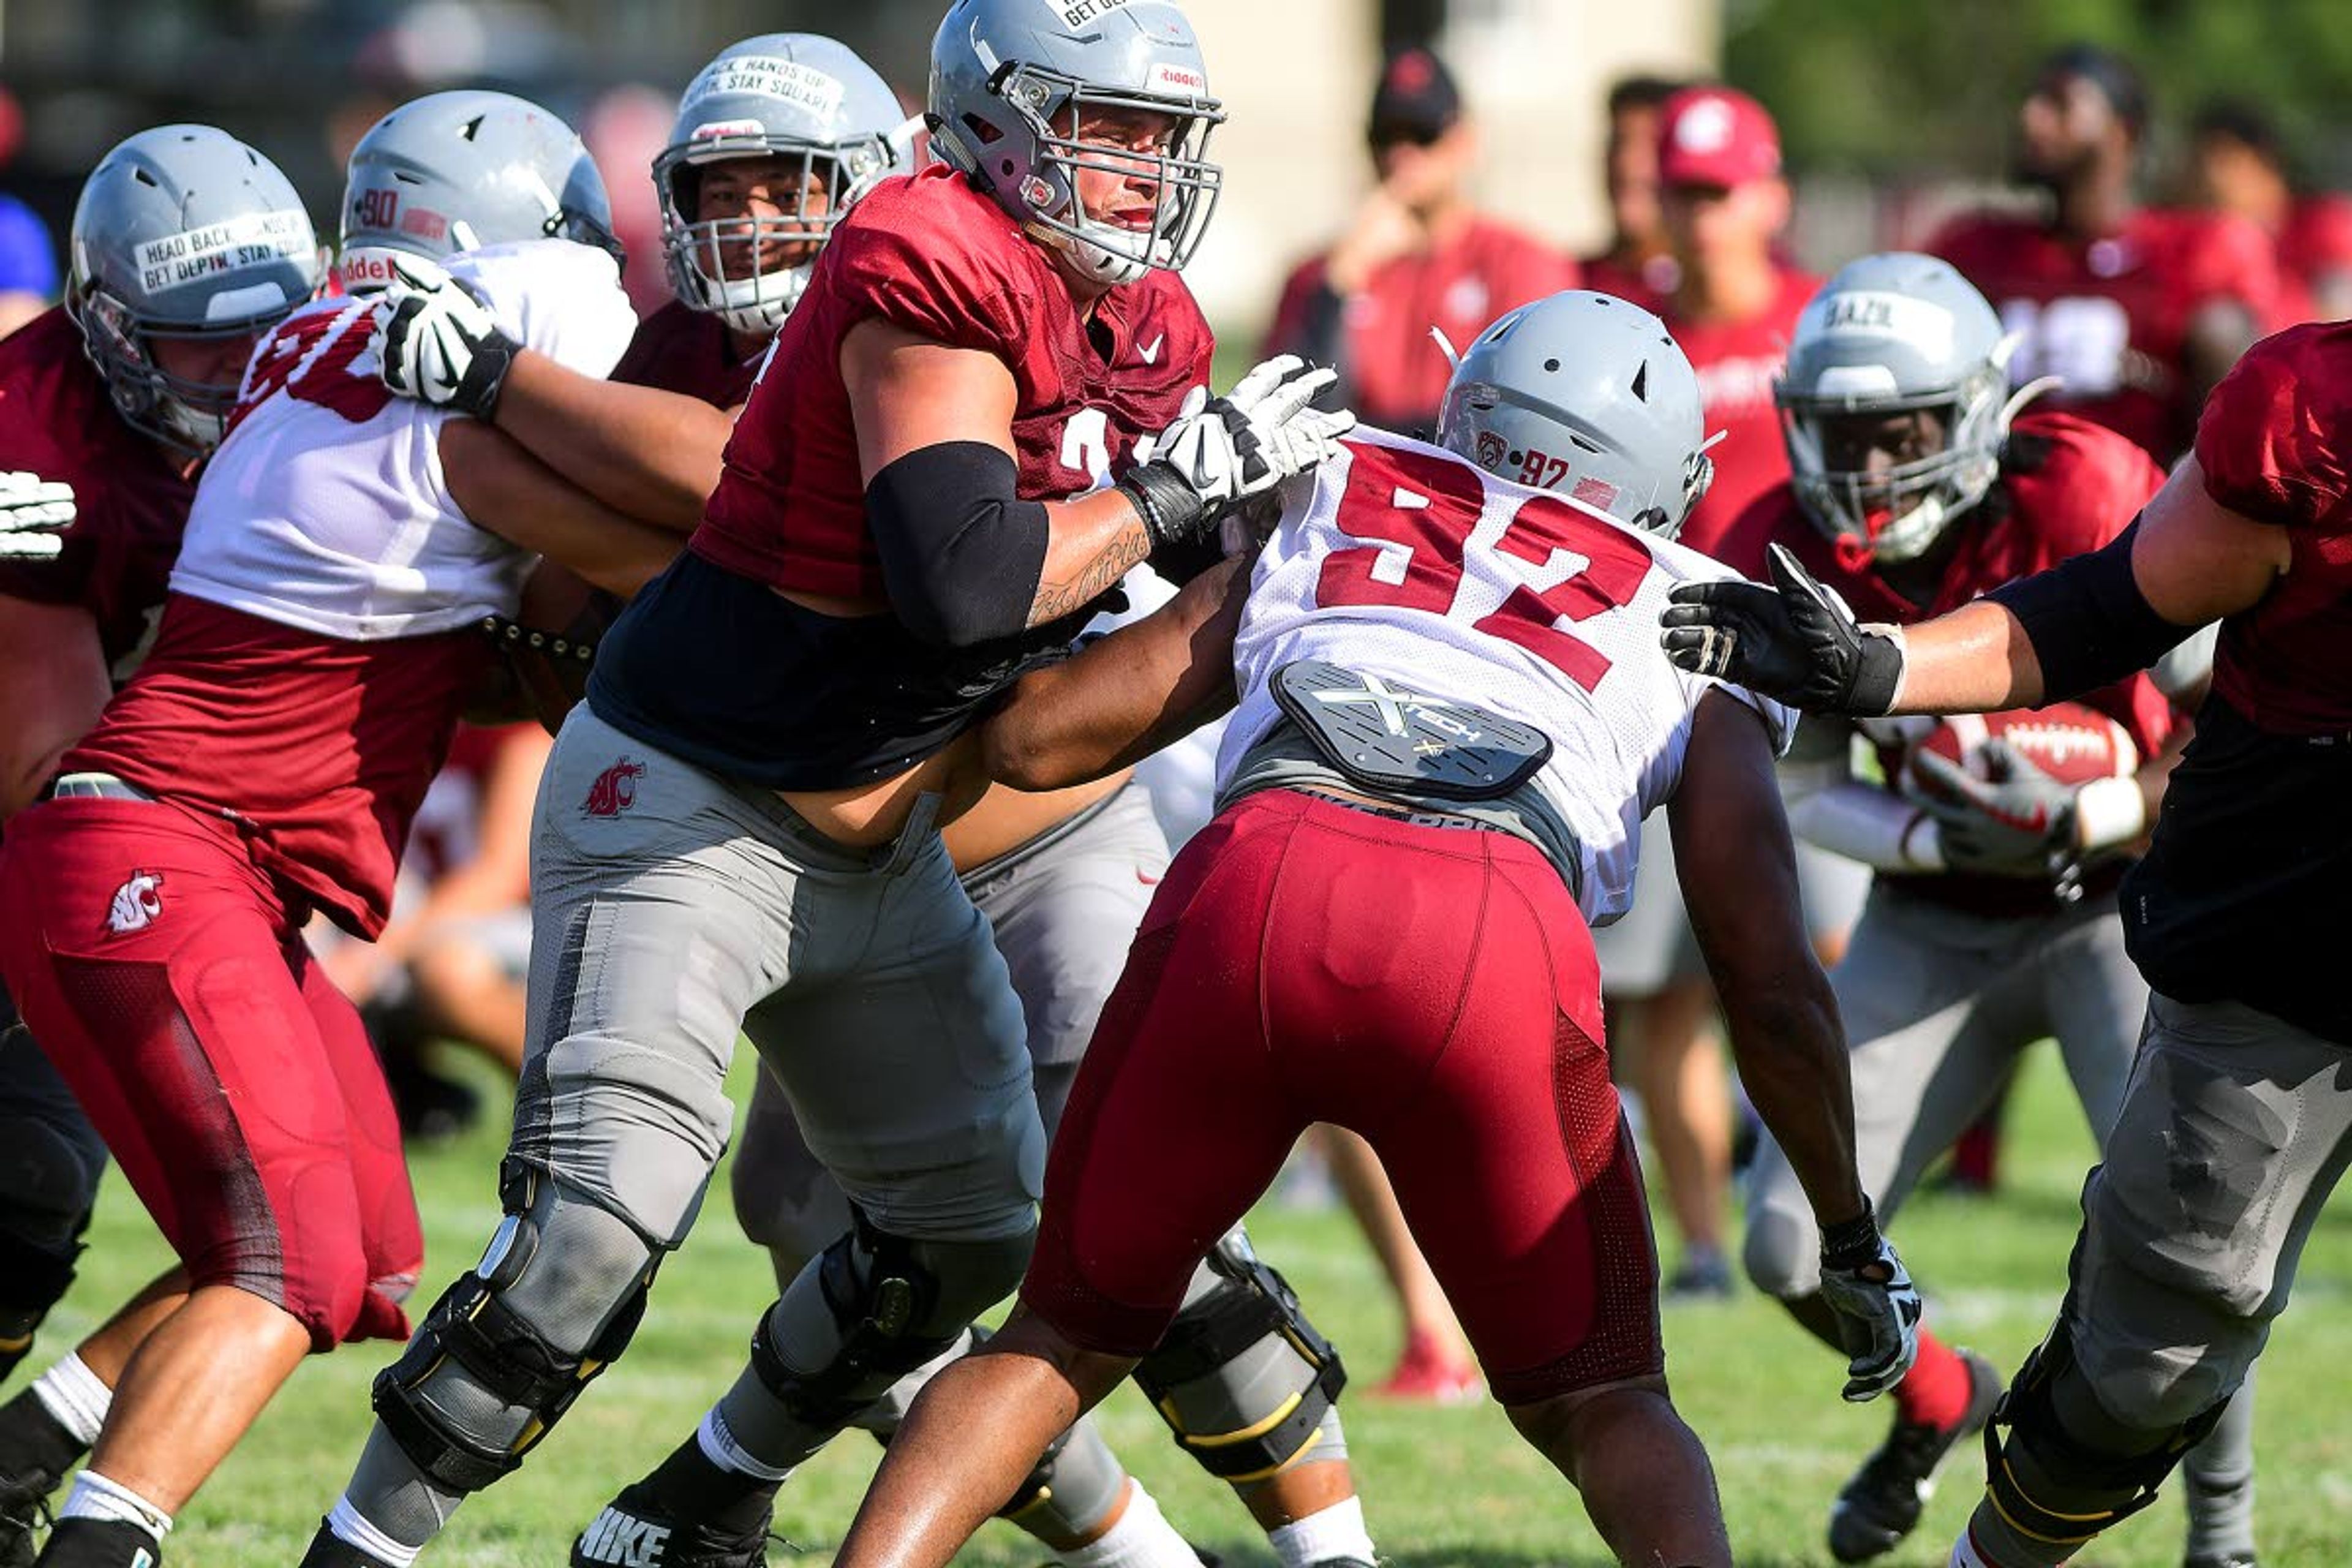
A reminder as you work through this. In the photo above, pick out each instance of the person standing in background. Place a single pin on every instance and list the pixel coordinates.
(2240, 165)
(1639, 263)
(1415, 255)
(28, 256)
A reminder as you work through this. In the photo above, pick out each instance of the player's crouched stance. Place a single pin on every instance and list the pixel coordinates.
(1387, 927)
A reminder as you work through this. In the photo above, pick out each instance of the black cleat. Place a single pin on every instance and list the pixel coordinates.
(1882, 1503)
(634, 1530)
(100, 1544)
(328, 1549)
(24, 1508)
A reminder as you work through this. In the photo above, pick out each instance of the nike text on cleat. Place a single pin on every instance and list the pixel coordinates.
(634, 1531)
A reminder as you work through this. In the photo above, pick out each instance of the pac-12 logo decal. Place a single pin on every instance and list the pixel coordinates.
(615, 789)
(137, 904)
(1491, 448)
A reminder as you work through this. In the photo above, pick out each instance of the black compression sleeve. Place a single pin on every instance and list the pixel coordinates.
(2088, 622)
(961, 552)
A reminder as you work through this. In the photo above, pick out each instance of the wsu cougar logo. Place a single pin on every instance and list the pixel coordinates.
(615, 789)
(136, 903)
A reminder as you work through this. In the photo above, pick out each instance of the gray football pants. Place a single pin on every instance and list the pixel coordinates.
(867, 979)
(1939, 1005)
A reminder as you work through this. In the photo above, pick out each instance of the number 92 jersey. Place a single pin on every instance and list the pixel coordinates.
(1406, 563)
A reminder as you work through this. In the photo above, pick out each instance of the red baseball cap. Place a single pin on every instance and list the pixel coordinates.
(1717, 136)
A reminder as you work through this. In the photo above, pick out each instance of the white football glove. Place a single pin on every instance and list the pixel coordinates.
(33, 514)
(1877, 1307)
(1223, 451)
(436, 343)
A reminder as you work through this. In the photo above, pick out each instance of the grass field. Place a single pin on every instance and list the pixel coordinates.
(1441, 1487)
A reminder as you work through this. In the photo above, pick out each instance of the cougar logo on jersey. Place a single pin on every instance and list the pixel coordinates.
(137, 904)
(619, 1539)
(615, 789)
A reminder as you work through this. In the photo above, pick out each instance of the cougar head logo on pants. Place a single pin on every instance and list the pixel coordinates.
(615, 789)
(136, 903)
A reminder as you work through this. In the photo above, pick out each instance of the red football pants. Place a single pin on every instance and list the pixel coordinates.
(164, 975)
(1434, 989)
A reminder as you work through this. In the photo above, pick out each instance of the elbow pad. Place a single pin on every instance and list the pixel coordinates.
(2088, 622)
(961, 552)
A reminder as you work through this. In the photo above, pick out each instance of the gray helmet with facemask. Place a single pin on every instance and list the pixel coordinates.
(1587, 395)
(455, 170)
(1892, 334)
(184, 232)
(1019, 89)
(792, 96)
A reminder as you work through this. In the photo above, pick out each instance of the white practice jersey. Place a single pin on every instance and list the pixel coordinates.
(326, 508)
(1404, 562)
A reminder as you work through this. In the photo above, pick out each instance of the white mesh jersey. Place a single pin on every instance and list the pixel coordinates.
(1405, 562)
(326, 508)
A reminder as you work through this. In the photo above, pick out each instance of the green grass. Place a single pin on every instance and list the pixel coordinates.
(1441, 1487)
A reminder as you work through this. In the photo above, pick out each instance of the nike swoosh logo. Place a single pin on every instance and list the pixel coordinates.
(1151, 351)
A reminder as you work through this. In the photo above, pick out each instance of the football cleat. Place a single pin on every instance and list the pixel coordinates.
(328, 1549)
(636, 1531)
(1882, 1503)
(24, 1507)
(100, 1544)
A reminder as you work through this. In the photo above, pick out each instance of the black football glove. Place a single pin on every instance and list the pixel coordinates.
(437, 344)
(1795, 641)
(1877, 1307)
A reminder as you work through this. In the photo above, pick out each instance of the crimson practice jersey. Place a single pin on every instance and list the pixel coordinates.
(130, 496)
(1738, 362)
(689, 352)
(2110, 318)
(2243, 895)
(711, 666)
(2066, 486)
(930, 254)
(1394, 374)
(1405, 563)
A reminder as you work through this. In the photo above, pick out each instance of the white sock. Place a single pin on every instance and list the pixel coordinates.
(95, 1496)
(1141, 1539)
(719, 1446)
(1965, 1554)
(351, 1527)
(73, 1394)
(1337, 1532)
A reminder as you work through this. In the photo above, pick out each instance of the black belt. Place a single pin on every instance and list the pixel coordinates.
(92, 786)
(1398, 811)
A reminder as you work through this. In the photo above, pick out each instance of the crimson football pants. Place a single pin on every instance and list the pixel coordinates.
(165, 977)
(1431, 988)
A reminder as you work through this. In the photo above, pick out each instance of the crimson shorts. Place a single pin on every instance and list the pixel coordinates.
(166, 976)
(1431, 988)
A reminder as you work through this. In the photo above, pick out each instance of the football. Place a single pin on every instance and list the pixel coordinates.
(2073, 743)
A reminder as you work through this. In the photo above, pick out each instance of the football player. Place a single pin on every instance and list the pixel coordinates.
(933, 483)
(2136, 310)
(2235, 1124)
(775, 138)
(1385, 927)
(1992, 922)
(2240, 165)
(187, 245)
(263, 763)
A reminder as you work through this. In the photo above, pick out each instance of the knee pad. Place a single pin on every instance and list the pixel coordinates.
(2067, 1470)
(1074, 1487)
(1241, 1377)
(509, 1346)
(872, 1308)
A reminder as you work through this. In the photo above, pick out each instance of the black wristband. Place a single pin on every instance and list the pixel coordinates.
(486, 377)
(1876, 675)
(1174, 512)
(1853, 1243)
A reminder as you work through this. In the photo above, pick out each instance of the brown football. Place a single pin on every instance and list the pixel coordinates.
(2071, 742)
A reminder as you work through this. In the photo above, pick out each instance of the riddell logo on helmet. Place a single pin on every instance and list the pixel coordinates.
(615, 789)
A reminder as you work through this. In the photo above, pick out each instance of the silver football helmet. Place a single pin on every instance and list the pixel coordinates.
(1017, 88)
(183, 231)
(455, 170)
(1888, 334)
(781, 95)
(1587, 395)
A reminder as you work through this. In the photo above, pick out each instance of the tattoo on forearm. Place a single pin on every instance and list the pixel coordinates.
(1096, 578)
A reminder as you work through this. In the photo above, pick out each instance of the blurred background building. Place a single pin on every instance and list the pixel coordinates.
(1890, 111)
